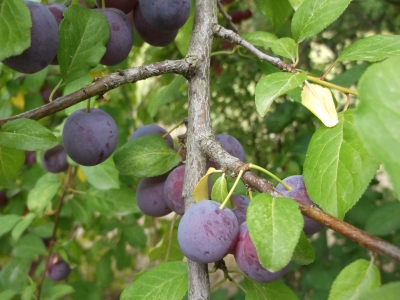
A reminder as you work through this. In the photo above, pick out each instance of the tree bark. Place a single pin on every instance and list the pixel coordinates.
(199, 126)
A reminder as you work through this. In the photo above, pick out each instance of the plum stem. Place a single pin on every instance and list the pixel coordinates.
(252, 166)
(172, 129)
(88, 106)
(54, 90)
(171, 231)
(103, 4)
(232, 189)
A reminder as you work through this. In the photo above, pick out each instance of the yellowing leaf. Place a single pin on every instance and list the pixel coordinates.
(80, 175)
(320, 102)
(201, 190)
(18, 101)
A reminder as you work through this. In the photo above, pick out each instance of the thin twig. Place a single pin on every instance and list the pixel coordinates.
(234, 38)
(227, 17)
(53, 236)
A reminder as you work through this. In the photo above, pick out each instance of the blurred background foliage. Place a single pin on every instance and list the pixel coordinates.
(107, 250)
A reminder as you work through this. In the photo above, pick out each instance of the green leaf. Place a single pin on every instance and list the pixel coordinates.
(304, 252)
(22, 225)
(296, 3)
(112, 202)
(350, 76)
(384, 220)
(45, 189)
(182, 39)
(220, 189)
(26, 134)
(15, 275)
(34, 82)
(11, 162)
(86, 290)
(274, 85)
(389, 291)
(73, 87)
(377, 118)
(29, 246)
(7, 294)
(58, 291)
(168, 248)
(275, 225)
(315, 15)
(28, 292)
(275, 290)
(260, 38)
(338, 168)
(104, 273)
(372, 48)
(356, 278)
(135, 236)
(168, 280)
(103, 176)
(83, 35)
(285, 47)
(79, 209)
(8, 222)
(15, 28)
(165, 95)
(276, 11)
(146, 156)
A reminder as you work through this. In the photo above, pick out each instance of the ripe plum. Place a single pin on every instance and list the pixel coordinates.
(149, 33)
(299, 192)
(240, 207)
(121, 37)
(89, 138)
(152, 129)
(58, 269)
(44, 41)
(173, 190)
(125, 5)
(150, 196)
(54, 160)
(166, 15)
(206, 233)
(231, 145)
(247, 259)
(58, 12)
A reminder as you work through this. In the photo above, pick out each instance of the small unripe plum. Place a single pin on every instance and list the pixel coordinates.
(54, 160)
(299, 192)
(57, 269)
(121, 37)
(247, 259)
(30, 158)
(44, 41)
(89, 138)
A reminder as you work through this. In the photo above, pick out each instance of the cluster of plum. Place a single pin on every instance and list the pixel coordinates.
(157, 22)
(207, 233)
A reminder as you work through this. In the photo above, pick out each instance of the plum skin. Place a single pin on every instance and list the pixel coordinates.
(240, 203)
(57, 269)
(173, 190)
(44, 41)
(149, 33)
(231, 145)
(206, 233)
(121, 37)
(299, 192)
(125, 5)
(247, 259)
(152, 129)
(150, 196)
(89, 138)
(54, 160)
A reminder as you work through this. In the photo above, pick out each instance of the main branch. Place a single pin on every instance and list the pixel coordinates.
(102, 85)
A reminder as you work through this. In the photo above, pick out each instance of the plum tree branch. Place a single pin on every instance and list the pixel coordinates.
(214, 150)
(227, 17)
(235, 38)
(104, 84)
